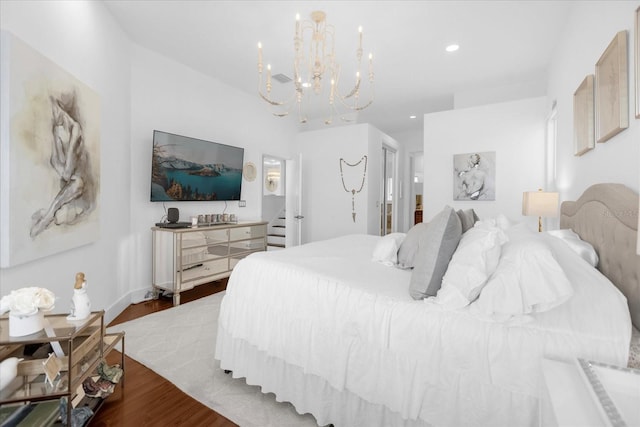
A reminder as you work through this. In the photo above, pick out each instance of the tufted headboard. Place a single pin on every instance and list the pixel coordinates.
(606, 215)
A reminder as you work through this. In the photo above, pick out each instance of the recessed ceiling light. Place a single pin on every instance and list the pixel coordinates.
(412, 117)
(452, 48)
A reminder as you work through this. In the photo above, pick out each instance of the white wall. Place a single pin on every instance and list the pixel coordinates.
(171, 97)
(533, 88)
(82, 38)
(590, 29)
(326, 205)
(514, 130)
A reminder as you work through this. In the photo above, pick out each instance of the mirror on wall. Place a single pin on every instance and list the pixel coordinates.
(272, 176)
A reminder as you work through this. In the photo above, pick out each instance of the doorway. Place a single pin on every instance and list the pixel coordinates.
(388, 206)
(416, 177)
(274, 201)
(294, 202)
(282, 201)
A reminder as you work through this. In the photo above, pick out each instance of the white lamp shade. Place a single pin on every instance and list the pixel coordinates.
(540, 203)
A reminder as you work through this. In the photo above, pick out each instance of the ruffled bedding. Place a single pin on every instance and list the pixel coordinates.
(324, 327)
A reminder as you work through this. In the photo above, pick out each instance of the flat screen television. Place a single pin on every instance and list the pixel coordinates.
(190, 169)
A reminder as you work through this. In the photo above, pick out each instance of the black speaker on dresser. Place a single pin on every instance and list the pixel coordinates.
(173, 214)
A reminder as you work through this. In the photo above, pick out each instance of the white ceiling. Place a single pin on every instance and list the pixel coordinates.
(502, 43)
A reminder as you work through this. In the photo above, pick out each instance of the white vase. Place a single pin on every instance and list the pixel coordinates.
(25, 324)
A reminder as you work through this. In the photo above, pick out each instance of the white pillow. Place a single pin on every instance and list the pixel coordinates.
(500, 221)
(435, 249)
(528, 279)
(473, 262)
(503, 222)
(386, 250)
(579, 246)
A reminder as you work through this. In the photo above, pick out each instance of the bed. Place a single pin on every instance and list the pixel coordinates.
(340, 336)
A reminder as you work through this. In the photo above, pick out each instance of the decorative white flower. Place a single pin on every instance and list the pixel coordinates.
(27, 301)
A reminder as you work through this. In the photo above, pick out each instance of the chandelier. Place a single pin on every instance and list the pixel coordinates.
(317, 72)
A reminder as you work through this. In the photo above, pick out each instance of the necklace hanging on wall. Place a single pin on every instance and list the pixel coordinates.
(353, 191)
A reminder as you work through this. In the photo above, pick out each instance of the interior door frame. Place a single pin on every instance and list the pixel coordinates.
(293, 201)
(412, 193)
(394, 190)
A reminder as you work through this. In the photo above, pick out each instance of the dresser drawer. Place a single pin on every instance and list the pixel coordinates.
(253, 231)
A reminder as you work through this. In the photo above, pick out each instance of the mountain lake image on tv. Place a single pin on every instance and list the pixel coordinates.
(190, 169)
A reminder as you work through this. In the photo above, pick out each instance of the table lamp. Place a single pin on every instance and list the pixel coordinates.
(541, 204)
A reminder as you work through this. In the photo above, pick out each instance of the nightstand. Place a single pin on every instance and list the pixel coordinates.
(569, 400)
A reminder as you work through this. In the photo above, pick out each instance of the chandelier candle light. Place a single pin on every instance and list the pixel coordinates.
(310, 72)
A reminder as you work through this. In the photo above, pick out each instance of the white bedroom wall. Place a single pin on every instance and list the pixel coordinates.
(533, 88)
(514, 130)
(590, 29)
(171, 97)
(326, 205)
(82, 38)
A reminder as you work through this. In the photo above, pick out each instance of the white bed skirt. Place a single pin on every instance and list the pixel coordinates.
(311, 394)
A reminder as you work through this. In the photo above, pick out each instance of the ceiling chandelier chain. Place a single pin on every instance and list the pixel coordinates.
(316, 38)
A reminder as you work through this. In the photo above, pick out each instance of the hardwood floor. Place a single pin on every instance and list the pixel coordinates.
(147, 399)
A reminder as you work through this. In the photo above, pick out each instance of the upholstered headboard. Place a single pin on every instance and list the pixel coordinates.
(606, 215)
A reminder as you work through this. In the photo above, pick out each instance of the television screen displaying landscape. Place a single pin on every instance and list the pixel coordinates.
(190, 169)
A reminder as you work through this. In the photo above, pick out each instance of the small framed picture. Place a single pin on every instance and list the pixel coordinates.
(51, 368)
(583, 117)
(612, 106)
(474, 176)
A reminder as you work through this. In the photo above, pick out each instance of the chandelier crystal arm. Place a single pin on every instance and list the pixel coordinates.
(315, 70)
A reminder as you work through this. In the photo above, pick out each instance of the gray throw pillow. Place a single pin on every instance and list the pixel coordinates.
(409, 246)
(435, 249)
(467, 218)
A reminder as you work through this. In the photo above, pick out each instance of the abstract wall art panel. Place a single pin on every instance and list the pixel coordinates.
(49, 157)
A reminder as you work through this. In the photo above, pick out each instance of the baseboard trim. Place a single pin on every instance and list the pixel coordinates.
(132, 297)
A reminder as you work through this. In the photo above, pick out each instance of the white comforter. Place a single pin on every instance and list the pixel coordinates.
(330, 311)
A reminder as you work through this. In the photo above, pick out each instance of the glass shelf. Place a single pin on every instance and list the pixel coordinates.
(79, 347)
(63, 328)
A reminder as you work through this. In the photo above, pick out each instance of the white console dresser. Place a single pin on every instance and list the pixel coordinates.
(187, 257)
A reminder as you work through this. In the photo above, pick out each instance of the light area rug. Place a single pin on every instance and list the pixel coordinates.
(179, 343)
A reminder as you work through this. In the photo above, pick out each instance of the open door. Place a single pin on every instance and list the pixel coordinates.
(294, 216)
(388, 207)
